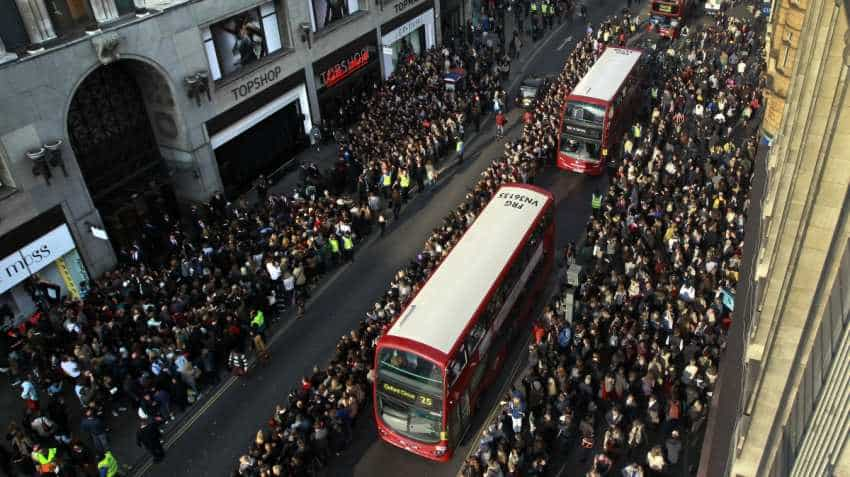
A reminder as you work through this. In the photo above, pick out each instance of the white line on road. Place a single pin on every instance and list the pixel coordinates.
(564, 43)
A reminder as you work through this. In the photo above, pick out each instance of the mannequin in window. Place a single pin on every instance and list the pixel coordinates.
(249, 42)
(336, 10)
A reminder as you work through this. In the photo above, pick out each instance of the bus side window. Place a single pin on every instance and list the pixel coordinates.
(458, 364)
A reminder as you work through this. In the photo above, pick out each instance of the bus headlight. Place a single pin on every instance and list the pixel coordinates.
(440, 450)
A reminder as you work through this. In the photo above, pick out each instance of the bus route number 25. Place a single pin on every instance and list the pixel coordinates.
(426, 401)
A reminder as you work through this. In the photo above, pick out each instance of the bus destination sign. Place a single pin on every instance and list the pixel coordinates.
(420, 400)
(591, 133)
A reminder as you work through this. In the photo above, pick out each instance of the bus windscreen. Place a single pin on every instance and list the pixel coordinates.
(409, 395)
(585, 113)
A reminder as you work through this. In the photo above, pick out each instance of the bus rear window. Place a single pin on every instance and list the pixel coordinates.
(584, 112)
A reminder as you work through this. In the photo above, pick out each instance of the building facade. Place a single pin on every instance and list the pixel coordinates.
(784, 391)
(116, 115)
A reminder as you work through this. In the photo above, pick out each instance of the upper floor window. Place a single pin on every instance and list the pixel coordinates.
(327, 12)
(69, 16)
(241, 40)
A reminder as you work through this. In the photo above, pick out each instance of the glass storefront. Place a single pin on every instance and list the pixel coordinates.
(39, 272)
(408, 39)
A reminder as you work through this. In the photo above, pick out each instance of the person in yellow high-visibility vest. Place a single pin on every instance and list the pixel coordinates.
(333, 241)
(404, 182)
(386, 183)
(45, 464)
(108, 465)
(637, 131)
(348, 248)
(596, 202)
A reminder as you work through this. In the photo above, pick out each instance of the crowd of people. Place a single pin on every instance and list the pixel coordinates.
(316, 421)
(641, 352)
(188, 302)
(620, 382)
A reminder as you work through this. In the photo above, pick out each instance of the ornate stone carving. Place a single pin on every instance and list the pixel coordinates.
(106, 47)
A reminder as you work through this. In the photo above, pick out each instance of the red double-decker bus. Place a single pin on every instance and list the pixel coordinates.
(451, 340)
(667, 16)
(598, 110)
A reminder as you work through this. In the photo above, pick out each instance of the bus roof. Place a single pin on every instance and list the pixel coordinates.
(607, 74)
(441, 310)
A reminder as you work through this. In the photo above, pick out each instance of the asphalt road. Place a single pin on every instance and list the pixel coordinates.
(210, 442)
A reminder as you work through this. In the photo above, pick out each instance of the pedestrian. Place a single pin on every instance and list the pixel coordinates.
(148, 437)
(596, 203)
(396, 201)
(107, 466)
(382, 223)
(260, 348)
(96, 429)
(500, 125)
(29, 393)
(459, 149)
(348, 247)
(238, 362)
(45, 460)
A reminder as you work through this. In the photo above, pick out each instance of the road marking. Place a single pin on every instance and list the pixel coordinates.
(564, 43)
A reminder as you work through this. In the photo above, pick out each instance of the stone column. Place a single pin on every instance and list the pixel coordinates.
(36, 20)
(104, 11)
(5, 56)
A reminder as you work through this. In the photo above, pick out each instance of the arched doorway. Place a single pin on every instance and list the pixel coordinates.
(111, 133)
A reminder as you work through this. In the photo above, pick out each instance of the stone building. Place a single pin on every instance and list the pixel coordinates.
(782, 405)
(117, 114)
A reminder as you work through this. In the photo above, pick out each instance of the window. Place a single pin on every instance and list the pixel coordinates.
(242, 40)
(69, 16)
(327, 12)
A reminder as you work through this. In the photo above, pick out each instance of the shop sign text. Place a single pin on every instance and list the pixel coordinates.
(257, 83)
(403, 4)
(34, 256)
(345, 68)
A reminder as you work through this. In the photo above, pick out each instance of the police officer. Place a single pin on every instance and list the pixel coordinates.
(107, 466)
(404, 182)
(333, 241)
(596, 202)
(348, 247)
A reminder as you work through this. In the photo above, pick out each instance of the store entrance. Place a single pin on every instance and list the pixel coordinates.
(262, 149)
(117, 151)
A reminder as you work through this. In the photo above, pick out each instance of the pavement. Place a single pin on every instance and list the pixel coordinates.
(209, 437)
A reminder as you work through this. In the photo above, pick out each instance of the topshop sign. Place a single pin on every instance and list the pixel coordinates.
(34, 256)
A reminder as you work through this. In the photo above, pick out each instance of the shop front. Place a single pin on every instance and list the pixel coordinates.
(407, 36)
(40, 265)
(345, 79)
(262, 133)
